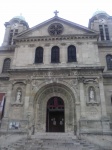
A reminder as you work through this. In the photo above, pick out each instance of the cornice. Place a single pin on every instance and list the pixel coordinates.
(4, 76)
(7, 48)
(101, 68)
(55, 38)
(104, 43)
(107, 74)
(6, 51)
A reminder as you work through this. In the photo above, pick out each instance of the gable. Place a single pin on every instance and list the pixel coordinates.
(69, 28)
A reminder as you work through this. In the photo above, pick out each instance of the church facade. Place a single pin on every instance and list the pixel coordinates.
(57, 76)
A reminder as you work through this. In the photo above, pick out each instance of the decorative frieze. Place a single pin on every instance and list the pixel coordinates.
(58, 73)
(88, 72)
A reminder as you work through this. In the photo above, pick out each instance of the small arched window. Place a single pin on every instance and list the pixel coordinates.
(72, 54)
(109, 62)
(39, 55)
(6, 65)
(55, 54)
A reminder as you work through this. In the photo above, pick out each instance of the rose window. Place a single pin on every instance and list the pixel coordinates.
(55, 29)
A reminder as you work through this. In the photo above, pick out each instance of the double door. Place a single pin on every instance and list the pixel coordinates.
(55, 121)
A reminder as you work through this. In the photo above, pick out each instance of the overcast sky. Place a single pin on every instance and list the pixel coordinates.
(37, 11)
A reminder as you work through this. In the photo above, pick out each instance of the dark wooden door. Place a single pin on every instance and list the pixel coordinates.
(55, 115)
(56, 121)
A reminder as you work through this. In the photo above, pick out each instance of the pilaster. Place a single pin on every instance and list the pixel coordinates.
(104, 118)
(102, 97)
(5, 120)
(6, 36)
(26, 101)
(8, 101)
(47, 55)
(63, 55)
(82, 97)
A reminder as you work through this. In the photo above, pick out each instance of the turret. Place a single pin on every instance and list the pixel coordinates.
(13, 27)
(102, 23)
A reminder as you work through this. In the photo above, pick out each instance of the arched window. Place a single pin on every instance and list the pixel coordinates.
(72, 53)
(39, 55)
(6, 65)
(109, 62)
(55, 54)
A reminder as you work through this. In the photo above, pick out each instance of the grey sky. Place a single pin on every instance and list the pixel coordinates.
(36, 11)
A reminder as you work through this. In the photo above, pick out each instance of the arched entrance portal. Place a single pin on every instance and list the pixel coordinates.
(55, 115)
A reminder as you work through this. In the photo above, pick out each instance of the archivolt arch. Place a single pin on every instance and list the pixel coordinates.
(40, 103)
(51, 83)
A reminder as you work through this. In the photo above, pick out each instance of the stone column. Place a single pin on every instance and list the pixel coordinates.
(82, 98)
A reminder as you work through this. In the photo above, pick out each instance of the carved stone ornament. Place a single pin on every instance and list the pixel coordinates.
(61, 73)
(92, 112)
(88, 81)
(13, 104)
(55, 29)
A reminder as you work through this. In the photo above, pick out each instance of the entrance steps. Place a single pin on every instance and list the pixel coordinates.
(54, 135)
(51, 141)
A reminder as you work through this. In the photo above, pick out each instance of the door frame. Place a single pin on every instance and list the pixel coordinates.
(55, 105)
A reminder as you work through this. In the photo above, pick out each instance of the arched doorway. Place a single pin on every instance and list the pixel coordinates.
(55, 115)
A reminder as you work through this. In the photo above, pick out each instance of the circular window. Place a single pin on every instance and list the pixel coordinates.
(55, 29)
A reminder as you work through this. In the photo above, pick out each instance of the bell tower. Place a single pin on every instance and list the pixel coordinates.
(102, 23)
(13, 27)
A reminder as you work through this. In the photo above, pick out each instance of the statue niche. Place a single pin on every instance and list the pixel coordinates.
(91, 94)
(19, 95)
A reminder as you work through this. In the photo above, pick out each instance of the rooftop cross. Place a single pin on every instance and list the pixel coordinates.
(56, 12)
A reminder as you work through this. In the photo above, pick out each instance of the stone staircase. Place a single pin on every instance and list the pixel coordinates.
(51, 141)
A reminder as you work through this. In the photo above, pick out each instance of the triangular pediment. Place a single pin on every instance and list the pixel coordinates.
(69, 28)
